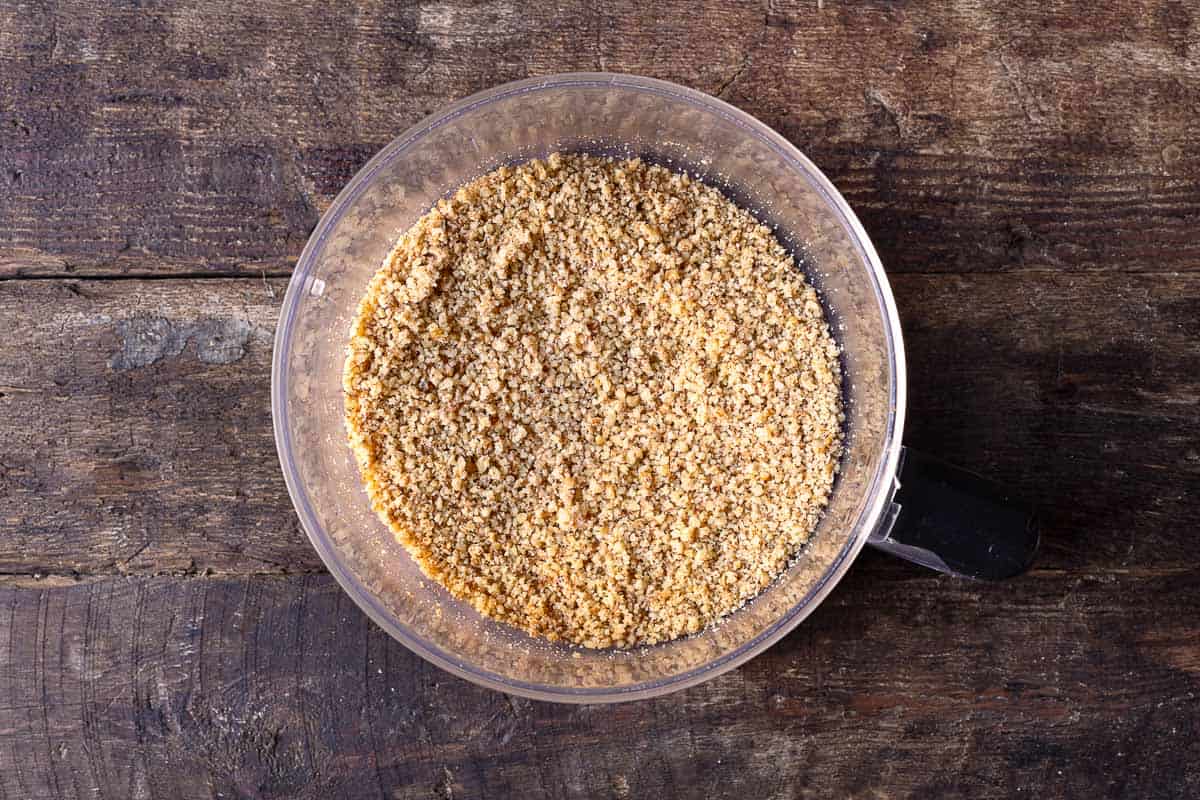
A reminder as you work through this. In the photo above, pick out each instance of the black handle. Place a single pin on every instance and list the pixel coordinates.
(956, 521)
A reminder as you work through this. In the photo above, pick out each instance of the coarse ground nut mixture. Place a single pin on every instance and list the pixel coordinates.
(595, 399)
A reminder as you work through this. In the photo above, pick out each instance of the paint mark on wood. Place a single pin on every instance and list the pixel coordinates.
(147, 339)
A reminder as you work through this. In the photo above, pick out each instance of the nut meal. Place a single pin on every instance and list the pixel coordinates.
(595, 399)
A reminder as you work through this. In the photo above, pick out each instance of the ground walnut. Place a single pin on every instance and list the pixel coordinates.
(595, 399)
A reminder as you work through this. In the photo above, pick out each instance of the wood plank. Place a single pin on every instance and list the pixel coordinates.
(975, 137)
(1083, 393)
(139, 433)
(279, 688)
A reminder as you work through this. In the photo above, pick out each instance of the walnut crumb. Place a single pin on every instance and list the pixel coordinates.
(595, 399)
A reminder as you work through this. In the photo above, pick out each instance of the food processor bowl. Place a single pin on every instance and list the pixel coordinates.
(616, 115)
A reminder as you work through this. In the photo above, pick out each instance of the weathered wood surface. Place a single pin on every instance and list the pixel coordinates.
(139, 435)
(971, 136)
(923, 687)
(1031, 174)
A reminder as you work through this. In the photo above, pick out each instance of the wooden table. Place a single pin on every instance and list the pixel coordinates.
(1029, 172)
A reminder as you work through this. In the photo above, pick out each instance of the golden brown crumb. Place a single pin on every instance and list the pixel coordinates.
(595, 399)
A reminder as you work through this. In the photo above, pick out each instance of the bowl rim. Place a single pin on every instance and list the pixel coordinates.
(882, 483)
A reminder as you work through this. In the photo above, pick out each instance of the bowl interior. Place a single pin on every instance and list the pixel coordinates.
(617, 115)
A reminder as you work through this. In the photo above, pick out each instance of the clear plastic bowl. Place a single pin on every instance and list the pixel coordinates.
(598, 113)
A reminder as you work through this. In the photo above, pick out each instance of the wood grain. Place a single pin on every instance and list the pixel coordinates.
(1028, 171)
(191, 138)
(139, 433)
(925, 687)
